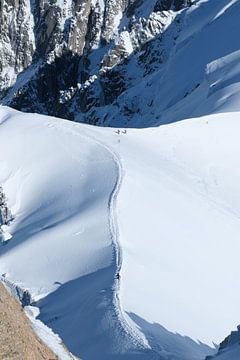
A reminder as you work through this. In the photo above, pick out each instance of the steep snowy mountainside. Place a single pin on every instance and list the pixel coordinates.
(179, 224)
(121, 63)
(74, 45)
(123, 240)
(172, 233)
(229, 349)
(193, 78)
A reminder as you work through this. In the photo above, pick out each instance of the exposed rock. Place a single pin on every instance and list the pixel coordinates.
(17, 338)
(5, 214)
(172, 4)
(229, 343)
(17, 43)
(70, 58)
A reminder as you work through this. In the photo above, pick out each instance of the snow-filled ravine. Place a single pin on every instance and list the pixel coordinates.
(161, 206)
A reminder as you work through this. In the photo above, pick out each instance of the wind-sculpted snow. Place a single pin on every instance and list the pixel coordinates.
(160, 206)
(59, 183)
(178, 211)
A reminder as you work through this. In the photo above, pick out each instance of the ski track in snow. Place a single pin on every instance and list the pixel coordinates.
(111, 326)
(114, 231)
(125, 333)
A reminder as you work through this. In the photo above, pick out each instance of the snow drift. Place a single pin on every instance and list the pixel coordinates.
(160, 203)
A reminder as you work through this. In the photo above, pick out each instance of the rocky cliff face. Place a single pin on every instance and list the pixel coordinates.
(17, 339)
(5, 216)
(17, 42)
(73, 58)
(229, 349)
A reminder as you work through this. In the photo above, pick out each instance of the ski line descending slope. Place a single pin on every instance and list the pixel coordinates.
(135, 333)
(187, 174)
(130, 331)
(73, 278)
(82, 206)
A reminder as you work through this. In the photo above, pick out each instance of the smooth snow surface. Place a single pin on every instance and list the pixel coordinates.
(169, 196)
(179, 216)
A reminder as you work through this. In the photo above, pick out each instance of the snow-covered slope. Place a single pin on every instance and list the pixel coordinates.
(59, 184)
(160, 203)
(185, 72)
(73, 44)
(179, 224)
(121, 63)
(229, 349)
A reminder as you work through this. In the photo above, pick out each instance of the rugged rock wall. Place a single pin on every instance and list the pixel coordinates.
(69, 58)
(5, 213)
(17, 339)
(5, 217)
(229, 348)
(17, 42)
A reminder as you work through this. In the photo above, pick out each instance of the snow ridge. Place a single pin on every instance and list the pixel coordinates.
(135, 337)
(65, 212)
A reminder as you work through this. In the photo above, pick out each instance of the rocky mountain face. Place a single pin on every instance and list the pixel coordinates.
(229, 349)
(17, 338)
(5, 214)
(74, 58)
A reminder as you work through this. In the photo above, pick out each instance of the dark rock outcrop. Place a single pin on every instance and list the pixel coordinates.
(69, 58)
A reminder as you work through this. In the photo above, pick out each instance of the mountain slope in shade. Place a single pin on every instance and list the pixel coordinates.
(199, 76)
(229, 349)
(121, 63)
(73, 45)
